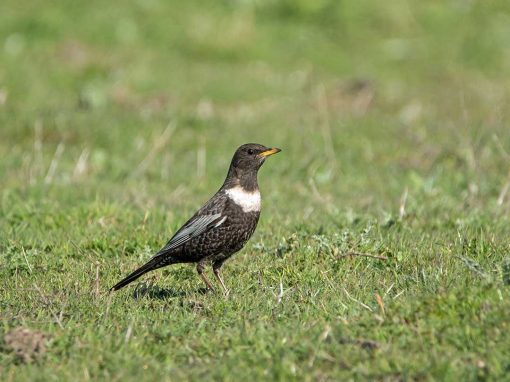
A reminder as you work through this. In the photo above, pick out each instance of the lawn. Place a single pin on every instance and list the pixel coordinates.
(383, 249)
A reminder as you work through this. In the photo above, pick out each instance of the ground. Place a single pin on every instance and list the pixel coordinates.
(383, 247)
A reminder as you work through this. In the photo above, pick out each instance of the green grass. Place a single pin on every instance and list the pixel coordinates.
(393, 119)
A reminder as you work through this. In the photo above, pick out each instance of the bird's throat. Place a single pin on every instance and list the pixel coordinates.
(247, 180)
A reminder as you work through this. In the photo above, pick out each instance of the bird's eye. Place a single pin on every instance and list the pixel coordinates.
(250, 151)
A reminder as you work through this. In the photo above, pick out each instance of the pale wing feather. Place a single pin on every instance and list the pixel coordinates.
(192, 229)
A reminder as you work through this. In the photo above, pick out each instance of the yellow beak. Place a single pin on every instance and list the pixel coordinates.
(269, 152)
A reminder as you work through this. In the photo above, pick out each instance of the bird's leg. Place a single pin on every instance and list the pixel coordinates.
(200, 270)
(217, 273)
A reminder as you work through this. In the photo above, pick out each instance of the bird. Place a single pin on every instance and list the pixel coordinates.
(221, 227)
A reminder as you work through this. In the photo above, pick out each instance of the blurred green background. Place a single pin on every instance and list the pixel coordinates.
(118, 119)
(362, 96)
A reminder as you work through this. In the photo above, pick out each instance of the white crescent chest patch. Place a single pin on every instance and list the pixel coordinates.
(247, 200)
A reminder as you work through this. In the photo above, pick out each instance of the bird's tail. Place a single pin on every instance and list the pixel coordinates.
(154, 263)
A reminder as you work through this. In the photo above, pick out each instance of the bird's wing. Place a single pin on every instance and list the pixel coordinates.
(208, 217)
(193, 228)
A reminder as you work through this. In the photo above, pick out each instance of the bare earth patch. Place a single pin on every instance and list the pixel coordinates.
(28, 345)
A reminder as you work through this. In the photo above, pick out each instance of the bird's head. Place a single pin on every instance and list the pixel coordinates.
(251, 156)
(247, 160)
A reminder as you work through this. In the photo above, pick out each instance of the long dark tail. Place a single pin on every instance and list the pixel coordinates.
(154, 263)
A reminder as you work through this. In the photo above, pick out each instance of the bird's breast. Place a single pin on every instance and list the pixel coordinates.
(249, 201)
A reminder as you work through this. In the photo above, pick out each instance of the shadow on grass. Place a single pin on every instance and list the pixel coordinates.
(157, 293)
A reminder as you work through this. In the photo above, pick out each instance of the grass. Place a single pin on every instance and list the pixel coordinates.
(118, 121)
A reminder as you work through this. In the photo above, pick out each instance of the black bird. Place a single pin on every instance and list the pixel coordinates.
(222, 226)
